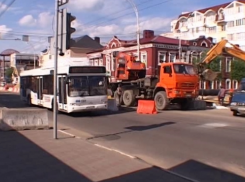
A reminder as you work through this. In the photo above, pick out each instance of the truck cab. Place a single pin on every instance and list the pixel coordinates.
(177, 83)
(180, 80)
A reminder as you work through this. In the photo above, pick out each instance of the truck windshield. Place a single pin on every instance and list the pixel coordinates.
(87, 86)
(184, 69)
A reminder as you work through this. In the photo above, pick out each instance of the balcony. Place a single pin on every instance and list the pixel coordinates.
(221, 19)
(184, 29)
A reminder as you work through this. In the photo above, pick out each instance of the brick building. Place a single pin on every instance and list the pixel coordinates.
(154, 49)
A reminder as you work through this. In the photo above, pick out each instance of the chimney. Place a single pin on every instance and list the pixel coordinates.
(210, 39)
(97, 39)
(148, 34)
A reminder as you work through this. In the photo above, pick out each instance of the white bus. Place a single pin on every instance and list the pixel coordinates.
(80, 88)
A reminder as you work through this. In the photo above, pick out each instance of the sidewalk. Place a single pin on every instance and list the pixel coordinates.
(33, 155)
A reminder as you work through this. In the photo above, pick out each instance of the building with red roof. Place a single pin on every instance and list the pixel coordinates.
(154, 49)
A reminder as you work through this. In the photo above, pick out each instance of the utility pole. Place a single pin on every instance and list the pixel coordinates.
(138, 26)
(55, 70)
(62, 42)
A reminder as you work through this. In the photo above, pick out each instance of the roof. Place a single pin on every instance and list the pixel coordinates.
(214, 8)
(85, 41)
(78, 38)
(157, 39)
(8, 52)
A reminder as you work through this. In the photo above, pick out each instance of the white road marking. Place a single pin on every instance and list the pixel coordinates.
(66, 133)
(114, 150)
(101, 146)
(213, 125)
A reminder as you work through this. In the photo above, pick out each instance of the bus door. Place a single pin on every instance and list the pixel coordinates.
(62, 92)
(39, 89)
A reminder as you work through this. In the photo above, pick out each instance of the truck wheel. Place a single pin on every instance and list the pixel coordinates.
(161, 100)
(235, 113)
(128, 98)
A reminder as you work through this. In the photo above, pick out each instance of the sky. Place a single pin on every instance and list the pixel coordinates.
(101, 18)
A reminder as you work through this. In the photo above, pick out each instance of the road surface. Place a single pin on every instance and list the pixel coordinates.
(186, 142)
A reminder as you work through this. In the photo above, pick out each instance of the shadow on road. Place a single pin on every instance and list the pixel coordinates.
(130, 129)
(101, 113)
(148, 127)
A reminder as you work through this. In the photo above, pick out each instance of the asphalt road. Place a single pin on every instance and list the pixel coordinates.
(201, 145)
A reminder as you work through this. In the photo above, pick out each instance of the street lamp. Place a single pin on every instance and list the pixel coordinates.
(25, 38)
(138, 26)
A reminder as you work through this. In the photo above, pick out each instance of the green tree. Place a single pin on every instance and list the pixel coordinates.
(9, 72)
(237, 69)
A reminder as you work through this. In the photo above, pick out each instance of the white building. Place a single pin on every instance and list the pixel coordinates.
(221, 21)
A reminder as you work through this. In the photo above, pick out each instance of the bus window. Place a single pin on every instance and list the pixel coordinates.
(97, 85)
(78, 86)
(48, 84)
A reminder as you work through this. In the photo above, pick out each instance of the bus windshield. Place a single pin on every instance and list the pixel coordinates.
(184, 69)
(87, 86)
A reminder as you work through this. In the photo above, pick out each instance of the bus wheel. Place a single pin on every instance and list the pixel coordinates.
(52, 107)
(29, 101)
(161, 100)
(128, 98)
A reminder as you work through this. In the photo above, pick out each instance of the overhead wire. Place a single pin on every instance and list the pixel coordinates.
(124, 15)
(7, 7)
(31, 34)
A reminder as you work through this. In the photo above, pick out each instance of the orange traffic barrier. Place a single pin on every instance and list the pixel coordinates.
(146, 107)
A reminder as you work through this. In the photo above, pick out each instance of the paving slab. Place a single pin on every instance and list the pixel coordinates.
(35, 156)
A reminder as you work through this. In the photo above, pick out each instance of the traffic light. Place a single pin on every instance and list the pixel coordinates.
(69, 29)
(65, 30)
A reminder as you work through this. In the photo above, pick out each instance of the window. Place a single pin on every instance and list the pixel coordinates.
(212, 29)
(230, 24)
(48, 84)
(230, 36)
(228, 64)
(240, 36)
(172, 57)
(87, 86)
(223, 28)
(108, 64)
(228, 84)
(167, 69)
(198, 18)
(184, 69)
(240, 22)
(161, 57)
(101, 62)
(144, 58)
(211, 85)
(221, 15)
(96, 62)
(235, 84)
(218, 84)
